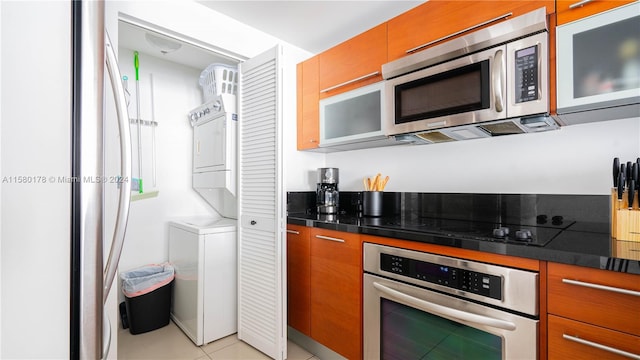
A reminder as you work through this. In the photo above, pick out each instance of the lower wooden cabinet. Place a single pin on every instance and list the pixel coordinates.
(592, 313)
(336, 288)
(605, 298)
(570, 339)
(298, 276)
(324, 281)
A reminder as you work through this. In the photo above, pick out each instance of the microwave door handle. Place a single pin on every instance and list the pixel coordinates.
(497, 80)
(445, 311)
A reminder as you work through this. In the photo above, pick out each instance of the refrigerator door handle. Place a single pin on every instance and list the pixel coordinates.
(106, 333)
(125, 168)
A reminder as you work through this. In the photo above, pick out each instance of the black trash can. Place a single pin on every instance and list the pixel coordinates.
(147, 292)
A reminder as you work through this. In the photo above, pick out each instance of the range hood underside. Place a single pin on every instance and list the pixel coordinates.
(481, 130)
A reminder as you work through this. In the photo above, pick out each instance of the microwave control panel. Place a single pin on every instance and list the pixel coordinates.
(526, 74)
(451, 277)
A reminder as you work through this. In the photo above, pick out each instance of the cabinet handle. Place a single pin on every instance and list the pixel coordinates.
(420, 47)
(363, 77)
(601, 347)
(329, 238)
(579, 4)
(602, 287)
(293, 232)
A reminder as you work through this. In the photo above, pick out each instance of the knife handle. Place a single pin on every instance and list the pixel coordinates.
(616, 171)
(621, 180)
(637, 179)
(631, 190)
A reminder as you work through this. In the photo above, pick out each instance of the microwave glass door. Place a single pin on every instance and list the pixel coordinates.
(599, 59)
(409, 333)
(455, 91)
(466, 90)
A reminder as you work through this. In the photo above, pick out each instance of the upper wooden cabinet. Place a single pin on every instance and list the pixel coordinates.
(438, 19)
(308, 111)
(570, 10)
(353, 63)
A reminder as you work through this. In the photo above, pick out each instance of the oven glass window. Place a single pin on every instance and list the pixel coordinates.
(408, 333)
(615, 66)
(455, 91)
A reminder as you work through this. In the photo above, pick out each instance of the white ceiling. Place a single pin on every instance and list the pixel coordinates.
(133, 37)
(314, 26)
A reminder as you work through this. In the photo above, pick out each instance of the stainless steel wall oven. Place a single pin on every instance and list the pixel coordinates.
(424, 306)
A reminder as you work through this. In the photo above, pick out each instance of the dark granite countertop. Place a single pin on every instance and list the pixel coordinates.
(588, 243)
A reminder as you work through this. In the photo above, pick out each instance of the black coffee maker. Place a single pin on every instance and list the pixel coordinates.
(327, 191)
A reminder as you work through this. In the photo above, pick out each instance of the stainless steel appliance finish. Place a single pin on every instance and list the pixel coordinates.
(488, 83)
(408, 312)
(327, 196)
(93, 52)
(87, 197)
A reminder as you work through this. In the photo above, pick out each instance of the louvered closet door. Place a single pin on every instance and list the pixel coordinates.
(261, 239)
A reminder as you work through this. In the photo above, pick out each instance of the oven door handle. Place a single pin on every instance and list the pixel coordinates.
(445, 311)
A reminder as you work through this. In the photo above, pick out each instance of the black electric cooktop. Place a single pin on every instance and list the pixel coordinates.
(525, 234)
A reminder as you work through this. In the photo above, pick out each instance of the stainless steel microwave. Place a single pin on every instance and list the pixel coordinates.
(491, 82)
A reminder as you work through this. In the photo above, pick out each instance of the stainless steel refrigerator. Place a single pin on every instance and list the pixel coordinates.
(57, 264)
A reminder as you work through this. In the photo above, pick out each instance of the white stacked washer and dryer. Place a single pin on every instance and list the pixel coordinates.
(203, 251)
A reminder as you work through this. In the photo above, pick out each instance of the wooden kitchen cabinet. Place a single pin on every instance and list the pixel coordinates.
(308, 99)
(354, 63)
(336, 288)
(598, 306)
(298, 277)
(563, 333)
(437, 19)
(571, 10)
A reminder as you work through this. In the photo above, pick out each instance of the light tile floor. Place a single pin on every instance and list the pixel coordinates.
(170, 342)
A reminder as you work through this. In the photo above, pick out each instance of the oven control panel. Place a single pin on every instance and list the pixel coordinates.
(451, 277)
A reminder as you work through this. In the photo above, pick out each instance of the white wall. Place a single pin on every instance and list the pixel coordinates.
(36, 133)
(176, 91)
(573, 160)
